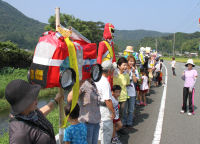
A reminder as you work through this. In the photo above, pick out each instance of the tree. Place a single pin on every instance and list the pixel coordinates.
(91, 30)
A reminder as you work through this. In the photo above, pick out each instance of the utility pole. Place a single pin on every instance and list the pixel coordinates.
(174, 45)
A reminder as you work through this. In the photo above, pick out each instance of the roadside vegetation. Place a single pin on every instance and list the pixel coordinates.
(183, 59)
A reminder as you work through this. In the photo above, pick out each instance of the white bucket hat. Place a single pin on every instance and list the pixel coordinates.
(190, 61)
(107, 65)
(129, 49)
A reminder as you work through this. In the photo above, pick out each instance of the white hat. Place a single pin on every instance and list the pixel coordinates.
(107, 65)
(190, 61)
(129, 49)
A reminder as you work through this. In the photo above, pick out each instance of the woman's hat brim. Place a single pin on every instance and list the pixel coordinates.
(128, 51)
(188, 64)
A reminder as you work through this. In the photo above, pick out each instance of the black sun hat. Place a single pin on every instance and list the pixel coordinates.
(20, 95)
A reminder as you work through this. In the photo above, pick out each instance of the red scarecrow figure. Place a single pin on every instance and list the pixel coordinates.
(106, 47)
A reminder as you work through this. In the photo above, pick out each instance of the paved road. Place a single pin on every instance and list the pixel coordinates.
(177, 128)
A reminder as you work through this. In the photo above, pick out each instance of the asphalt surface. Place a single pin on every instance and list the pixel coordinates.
(177, 128)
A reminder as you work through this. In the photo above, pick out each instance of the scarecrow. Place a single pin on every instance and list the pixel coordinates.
(106, 47)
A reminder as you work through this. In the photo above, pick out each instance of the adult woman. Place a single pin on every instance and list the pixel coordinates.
(89, 100)
(28, 123)
(90, 110)
(189, 76)
(131, 90)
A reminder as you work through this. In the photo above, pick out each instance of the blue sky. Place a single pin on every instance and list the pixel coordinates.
(158, 15)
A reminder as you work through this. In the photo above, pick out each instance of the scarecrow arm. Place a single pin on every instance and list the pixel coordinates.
(114, 58)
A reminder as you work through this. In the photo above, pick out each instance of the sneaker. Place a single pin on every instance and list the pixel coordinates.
(115, 140)
(190, 113)
(182, 111)
(138, 103)
(144, 104)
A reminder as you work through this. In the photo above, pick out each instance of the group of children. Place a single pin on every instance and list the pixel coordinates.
(117, 102)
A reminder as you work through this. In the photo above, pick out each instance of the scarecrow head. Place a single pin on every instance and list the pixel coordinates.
(108, 31)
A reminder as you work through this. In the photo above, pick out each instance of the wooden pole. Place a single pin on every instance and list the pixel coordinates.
(60, 90)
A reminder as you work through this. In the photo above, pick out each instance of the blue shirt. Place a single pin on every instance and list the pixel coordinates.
(76, 134)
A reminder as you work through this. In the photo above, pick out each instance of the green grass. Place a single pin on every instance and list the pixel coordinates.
(8, 74)
(4, 139)
(53, 117)
(183, 60)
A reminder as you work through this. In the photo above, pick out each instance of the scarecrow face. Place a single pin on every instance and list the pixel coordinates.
(112, 30)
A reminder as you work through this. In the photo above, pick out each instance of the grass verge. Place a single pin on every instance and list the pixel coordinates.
(183, 60)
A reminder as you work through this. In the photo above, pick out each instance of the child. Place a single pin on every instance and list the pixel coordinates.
(157, 71)
(76, 133)
(173, 66)
(117, 124)
(122, 79)
(138, 86)
(189, 76)
(161, 74)
(143, 88)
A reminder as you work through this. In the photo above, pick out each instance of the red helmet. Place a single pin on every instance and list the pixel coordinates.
(108, 31)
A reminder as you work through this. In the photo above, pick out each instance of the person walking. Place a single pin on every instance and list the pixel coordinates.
(173, 66)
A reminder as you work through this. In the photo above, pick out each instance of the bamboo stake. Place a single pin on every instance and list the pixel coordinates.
(60, 90)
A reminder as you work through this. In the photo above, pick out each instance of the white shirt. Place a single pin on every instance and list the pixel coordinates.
(173, 63)
(104, 90)
(157, 67)
(115, 106)
(144, 85)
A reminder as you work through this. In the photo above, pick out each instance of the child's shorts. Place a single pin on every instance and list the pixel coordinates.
(144, 91)
(137, 88)
(116, 120)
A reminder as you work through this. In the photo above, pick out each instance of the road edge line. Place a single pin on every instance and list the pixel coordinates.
(158, 130)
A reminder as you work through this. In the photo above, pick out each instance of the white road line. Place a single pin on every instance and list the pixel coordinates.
(158, 130)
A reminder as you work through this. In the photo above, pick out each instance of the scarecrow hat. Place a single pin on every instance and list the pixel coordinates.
(20, 95)
(190, 61)
(129, 49)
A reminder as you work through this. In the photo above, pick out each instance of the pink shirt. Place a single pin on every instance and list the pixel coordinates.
(190, 77)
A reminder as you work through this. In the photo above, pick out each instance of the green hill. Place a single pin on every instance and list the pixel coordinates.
(184, 42)
(137, 34)
(18, 28)
(133, 37)
(24, 31)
